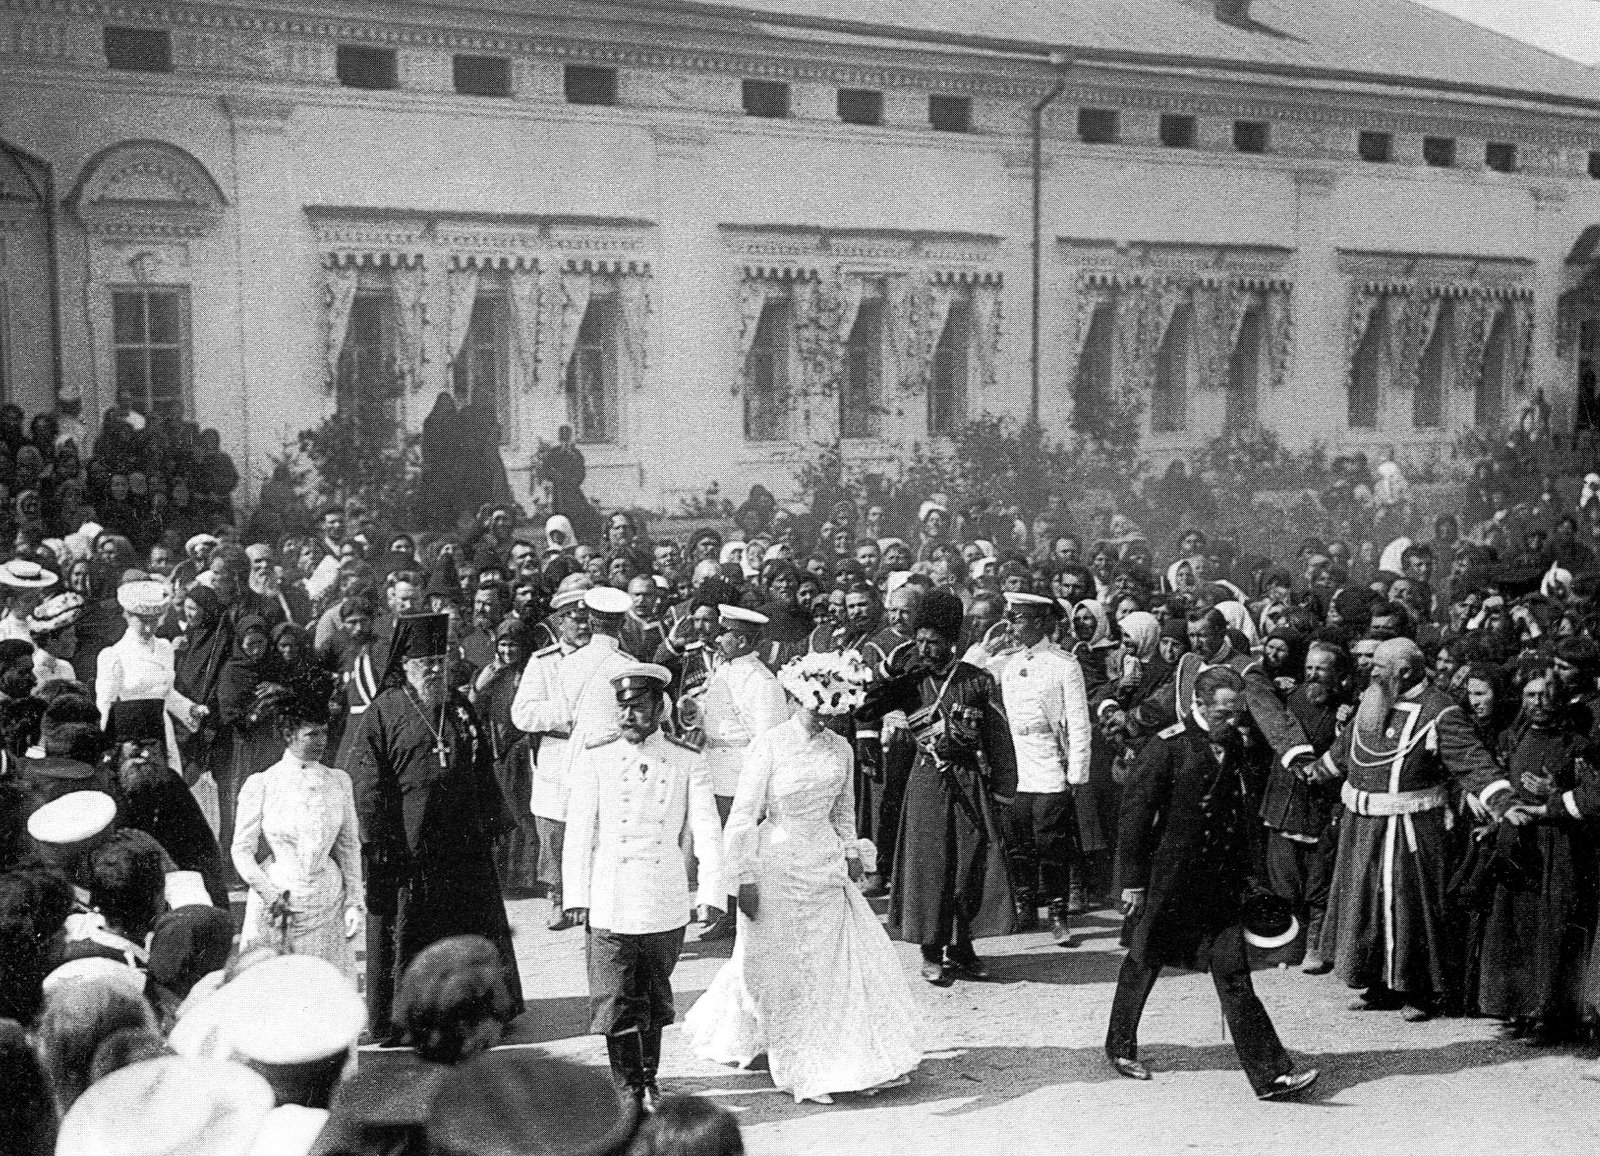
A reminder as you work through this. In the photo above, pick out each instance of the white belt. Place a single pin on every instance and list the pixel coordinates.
(1393, 802)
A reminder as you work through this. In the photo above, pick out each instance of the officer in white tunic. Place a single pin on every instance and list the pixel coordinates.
(741, 700)
(1048, 711)
(543, 707)
(633, 791)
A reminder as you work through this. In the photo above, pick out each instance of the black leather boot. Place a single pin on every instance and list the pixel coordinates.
(625, 1050)
(1060, 931)
(651, 1039)
(1027, 909)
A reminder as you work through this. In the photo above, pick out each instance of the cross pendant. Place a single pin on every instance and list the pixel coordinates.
(444, 761)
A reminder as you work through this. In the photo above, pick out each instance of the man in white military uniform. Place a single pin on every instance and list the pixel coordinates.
(543, 707)
(633, 792)
(1048, 709)
(741, 699)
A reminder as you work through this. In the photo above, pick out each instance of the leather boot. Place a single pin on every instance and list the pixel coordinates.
(558, 920)
(1060, 932)
(625, 1050)
(1027, 910)
(651, 1039)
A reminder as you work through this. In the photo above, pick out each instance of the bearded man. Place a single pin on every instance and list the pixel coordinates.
(1387, 926)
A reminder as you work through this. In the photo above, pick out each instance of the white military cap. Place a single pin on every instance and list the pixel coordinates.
(171, 1106)
(738, 616)
(97, 969)
(607, 600)
(635, 680)
(294, 1009)
(21, 574)
(1019, 599)
(571, 591)
(289, 1130)
(72, 818)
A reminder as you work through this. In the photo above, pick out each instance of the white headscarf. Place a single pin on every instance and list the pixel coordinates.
(1393, 557)
(558, 533)
(1238, 616)
(1142, 631)
(1391, 487)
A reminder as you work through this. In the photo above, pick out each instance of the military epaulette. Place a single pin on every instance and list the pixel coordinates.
(1171, 732)
(602, 740)
(553, 648)
(686, 744)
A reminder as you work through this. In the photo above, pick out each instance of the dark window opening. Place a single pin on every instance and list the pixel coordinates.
(592, 375)
(479, 374)
(589, 84)
(947, 388)
(860, 106)
(1366, 374)
(766, 376)
(366, 387)
(1251, 136)
(1500, 157)
(1098, 125)
(1439, 151)
(1594, 165)
(950, 113)
(138, 49)
(1178, 132)
(860, 398)
(482, 75)
(768, 98)
(150, 328)
(360, 67)
(1169, 400)
(1376, 147)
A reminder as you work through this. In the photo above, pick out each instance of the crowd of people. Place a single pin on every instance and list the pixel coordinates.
(1368, 754)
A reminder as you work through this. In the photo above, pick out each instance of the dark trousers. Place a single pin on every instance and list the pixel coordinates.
(1039, 829)
(630, 979)
(885, 797)
(1254, 1037)
(1302, 874)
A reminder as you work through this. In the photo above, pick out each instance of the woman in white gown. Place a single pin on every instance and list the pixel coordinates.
(814, 983)
(308, 895)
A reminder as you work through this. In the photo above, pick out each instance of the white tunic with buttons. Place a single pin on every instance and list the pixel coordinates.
(575, 698)
(541, 707)
(742, 700)
(1048, 709)
(623, 859)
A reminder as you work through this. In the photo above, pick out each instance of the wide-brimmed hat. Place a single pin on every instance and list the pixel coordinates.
(56, 613)
(21, 574)
(145, 597)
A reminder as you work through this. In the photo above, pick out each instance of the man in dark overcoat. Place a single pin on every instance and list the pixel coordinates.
(429, 809)
(1184, 859)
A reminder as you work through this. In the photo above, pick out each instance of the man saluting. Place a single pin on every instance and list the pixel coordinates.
(429, 810)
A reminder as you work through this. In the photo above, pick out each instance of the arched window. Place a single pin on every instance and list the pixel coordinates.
(1244, 373)
(1169, 402)
(1488, 405)
(1366, 373)
(1092, 386)
(1435, 374)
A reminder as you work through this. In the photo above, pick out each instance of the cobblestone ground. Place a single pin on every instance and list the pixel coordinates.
(1015, 1066)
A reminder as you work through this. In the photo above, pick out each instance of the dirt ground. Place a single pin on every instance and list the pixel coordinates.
(1015, 1065)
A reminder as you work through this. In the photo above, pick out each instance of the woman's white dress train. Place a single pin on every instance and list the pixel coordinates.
(814, 982)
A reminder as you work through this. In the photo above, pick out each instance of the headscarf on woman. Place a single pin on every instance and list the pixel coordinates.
(205, 646)
(1238, 616)
(1141, 631)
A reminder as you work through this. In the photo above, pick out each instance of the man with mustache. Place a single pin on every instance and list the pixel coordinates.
(1387, 923)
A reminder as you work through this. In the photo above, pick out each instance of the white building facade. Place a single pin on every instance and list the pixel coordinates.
(708, 241)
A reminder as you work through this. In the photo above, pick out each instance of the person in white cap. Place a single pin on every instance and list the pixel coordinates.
(1047, 708)
(741, 701)
(544, 706)
(634, 790)
(23, 585)
(172, 1106)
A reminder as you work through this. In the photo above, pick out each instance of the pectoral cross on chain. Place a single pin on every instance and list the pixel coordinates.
(443, 752)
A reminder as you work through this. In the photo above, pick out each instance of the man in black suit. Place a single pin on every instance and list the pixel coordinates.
(1184, 857)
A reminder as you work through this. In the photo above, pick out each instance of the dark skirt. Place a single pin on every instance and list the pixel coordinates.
(516, 853)
(1096, 803)
(950, 859)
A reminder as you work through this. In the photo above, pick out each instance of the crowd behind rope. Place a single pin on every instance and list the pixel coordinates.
(1486, 617)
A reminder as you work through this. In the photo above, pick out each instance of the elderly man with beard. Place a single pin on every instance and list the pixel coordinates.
(1387, 925)
(1298, 811)
(429, 809)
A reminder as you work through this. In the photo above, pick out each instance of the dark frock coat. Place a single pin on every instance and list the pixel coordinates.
(427, 838)
(950, 861)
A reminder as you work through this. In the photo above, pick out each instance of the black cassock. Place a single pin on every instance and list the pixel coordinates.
(428, 826)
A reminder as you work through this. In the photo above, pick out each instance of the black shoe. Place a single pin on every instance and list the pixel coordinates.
(1132, 1069)
(725, 928)
(965, 964)
(1027, 914)
(1377, 999)
(1291, 1085)
(935, 972)
(1060, 932)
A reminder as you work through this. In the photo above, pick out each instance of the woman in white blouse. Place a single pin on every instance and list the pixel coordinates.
(140, 665)
(307, 897)
(814, 983)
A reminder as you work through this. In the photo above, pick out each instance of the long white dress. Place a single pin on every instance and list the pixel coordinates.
(307, 813)
(814, 981)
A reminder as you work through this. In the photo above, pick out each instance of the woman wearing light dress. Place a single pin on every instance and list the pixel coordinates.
(814, 983)
(307, 897)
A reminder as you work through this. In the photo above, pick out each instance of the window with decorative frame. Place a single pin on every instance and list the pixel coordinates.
(592, 408)
(766, 374)
(1435, 374)
(480, 373)
(947, 384)
(1169, 400)
(1092, 394)
(150, 334)
(367, 388)
(1367, 370)
(1488, 403)
(1244, 373)
(861, 382)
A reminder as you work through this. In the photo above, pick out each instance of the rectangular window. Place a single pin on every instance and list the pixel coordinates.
(1178, 132)
(1098, 125)
(138, 49)
(480, 373)
(589, 84)
(766, 376)
(1594, 165)
(1169, 399)
(950, 113)
(1251, 136)
(482, 75)
(861, 386)
(860, 106)
(768, 98)
(362, 67)
(1376, 147)
(1500, 157)
(592, 375)
(150, 330)
(366, 388)
(947, 388)
(1439, 151)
